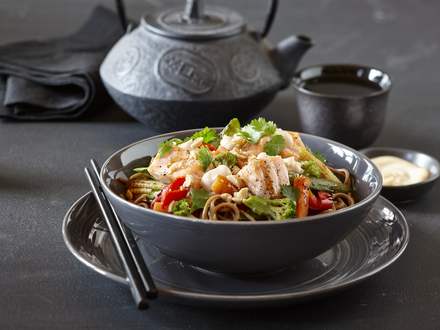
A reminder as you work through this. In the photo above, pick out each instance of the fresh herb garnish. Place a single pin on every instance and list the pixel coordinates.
(232, 128)
(204, 157)
(225, 158)
(290, 192)
(311, 169)
(199, 198)
(275, 145)
(167, 146)
(256, 129)
(209, 136)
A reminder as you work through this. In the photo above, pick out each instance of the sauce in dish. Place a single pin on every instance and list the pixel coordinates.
(399, 172)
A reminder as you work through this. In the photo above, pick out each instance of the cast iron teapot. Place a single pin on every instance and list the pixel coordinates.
(195, 66)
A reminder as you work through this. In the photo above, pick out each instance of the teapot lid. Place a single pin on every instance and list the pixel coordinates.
(195, 22)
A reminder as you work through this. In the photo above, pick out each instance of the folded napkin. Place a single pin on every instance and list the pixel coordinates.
(57, 78)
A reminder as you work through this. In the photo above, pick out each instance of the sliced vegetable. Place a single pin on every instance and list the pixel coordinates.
(210, 146)
(209, 135)
(141, 170)
(232, 128)
(204, 157)
(173, 192)
(275, 145)
(276, 209)
(157, 206)
(329, 186)
(225, 158)
(150, 188)
(199, 198)
(256, 129)
(302, 183)
(290, 192)
(176, 184)
(321, 202)
(320, 156)
(221, 185)
(173, 195)
(181, 208)
(305, 154)
(311, 168)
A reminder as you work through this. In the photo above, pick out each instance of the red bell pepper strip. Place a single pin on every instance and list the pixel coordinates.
(173, 195)
(173, 192)
(210, 146)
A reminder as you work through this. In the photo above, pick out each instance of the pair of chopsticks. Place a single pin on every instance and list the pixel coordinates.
(141, 283)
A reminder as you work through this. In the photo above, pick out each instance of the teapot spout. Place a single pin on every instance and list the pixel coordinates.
(288, 53)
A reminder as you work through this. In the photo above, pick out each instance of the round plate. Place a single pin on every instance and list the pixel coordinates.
(375, 244)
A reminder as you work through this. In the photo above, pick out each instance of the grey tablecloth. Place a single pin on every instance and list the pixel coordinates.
(58, 78)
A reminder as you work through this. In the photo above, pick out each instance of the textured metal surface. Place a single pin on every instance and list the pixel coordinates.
(151, 75)
(375, 244)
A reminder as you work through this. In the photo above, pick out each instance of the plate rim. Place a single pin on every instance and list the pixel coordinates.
(222, 298)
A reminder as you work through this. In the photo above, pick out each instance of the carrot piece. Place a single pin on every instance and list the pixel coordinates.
(222, 185)
(302, 183)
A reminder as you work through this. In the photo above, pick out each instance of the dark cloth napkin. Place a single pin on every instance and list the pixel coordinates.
(57, 78)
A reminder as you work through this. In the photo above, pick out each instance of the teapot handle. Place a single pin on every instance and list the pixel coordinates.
(120, 8)
(270, 17)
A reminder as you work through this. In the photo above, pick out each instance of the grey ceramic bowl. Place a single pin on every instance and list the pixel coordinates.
(241, 247)
(355, 120)
(409, 193)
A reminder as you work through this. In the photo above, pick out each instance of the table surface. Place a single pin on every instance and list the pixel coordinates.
(41, 174)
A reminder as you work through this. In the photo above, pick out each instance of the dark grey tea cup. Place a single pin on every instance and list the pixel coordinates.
(343, 102)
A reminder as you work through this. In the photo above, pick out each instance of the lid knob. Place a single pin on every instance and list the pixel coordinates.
(193, 10)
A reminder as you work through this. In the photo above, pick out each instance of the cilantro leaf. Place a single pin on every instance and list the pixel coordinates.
(311, 169)
(232, 128)
(209, 135)
(166, 146)
(290, 192)
(256, 129)
(275, 145)
(199, 198)
(204, 157)
(225, 158)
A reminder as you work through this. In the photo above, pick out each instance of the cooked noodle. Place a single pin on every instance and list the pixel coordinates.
(218, 207)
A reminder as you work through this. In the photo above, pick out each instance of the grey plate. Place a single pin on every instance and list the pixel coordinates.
(374, 245)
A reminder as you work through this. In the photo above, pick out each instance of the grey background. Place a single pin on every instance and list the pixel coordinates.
(41, 174)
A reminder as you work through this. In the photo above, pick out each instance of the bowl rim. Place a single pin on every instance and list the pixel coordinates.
(296, 81)
(371, 197)
(432, 177)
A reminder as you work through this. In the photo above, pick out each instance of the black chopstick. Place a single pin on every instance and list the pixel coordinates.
(141, 283)
(136, 255)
